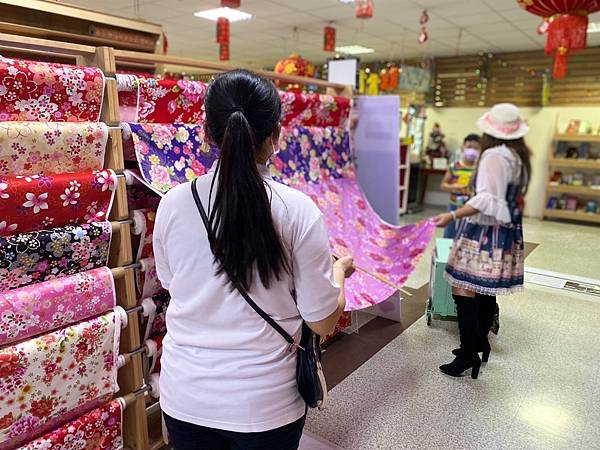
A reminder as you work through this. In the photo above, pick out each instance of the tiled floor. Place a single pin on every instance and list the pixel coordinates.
(540, 390)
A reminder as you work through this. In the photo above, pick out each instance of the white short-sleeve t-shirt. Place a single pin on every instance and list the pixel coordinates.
(222, 365)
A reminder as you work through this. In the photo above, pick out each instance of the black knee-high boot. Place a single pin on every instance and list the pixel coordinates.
(468, 327)
(487, 311)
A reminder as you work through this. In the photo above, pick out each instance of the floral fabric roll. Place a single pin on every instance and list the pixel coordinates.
(42, 307)
(314, 110)
(40, 202)
(146, 278)
(45, 255)
(49, 92)
(170, 101)
(99, 429)
(43, 380)
(28, 148)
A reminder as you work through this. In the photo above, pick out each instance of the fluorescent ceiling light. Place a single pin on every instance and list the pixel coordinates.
(594, 27)
(354, 50)
(347, 1)
(234, 15)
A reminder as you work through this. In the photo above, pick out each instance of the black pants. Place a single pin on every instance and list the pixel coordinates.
(187, 436)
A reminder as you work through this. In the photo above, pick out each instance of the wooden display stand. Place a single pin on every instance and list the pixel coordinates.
(130, 376)
(586, 166)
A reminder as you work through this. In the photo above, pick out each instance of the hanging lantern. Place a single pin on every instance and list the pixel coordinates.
(329, 39)
(222, 30)
(230, 3)
(224, 52)
(567, 27)
(364, 9)
(295, 65)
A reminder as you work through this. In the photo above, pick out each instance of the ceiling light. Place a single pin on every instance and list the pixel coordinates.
(354, 50)
(234, 15)
(347, 1)
(594, 27)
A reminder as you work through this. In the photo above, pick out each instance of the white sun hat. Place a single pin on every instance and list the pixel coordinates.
(503, 121)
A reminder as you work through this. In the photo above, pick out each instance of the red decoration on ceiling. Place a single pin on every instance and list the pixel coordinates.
(364, 9)
(224, 52)
(222, 30)
(424, 17)
(329, 39)
(567, 27)
(230, 3)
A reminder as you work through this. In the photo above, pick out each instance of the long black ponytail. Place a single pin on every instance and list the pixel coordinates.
(242, 113)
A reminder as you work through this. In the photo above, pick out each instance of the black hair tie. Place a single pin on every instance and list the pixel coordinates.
(236, 108)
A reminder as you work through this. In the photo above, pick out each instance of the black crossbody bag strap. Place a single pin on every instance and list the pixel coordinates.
(240, 289)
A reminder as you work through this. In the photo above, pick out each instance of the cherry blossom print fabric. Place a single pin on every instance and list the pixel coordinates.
(144, 227)
(170, 101)
(45, 255)
(154, 360)
(43, 380)
(147, 280)
(169, 155)
(140, 197)
(314, 110)
(127, 88)
(158, 325)
(28, 148)
(99, 429)
(39, 202)
(42, 307)
(49, 92)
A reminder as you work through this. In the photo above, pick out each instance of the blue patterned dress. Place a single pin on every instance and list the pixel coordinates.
(488, 257)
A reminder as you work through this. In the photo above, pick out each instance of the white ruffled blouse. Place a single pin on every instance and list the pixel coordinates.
(498, 167)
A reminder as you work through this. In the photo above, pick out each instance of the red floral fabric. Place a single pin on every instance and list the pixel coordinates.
(314, 110)
(170, 101)
(39, 202)
(99, 429)
(49, 92)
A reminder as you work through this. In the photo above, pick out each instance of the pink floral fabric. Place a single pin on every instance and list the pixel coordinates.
(43, 380)
(42, 307)
(144, 227)
(28, 148)
(49, 92)
(147, 280)
(99, 429)
(39, 202)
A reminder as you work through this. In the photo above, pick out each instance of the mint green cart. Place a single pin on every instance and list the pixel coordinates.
(440, 304)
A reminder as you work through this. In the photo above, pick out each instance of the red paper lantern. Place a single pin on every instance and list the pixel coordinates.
(329, 39)
(364, 9)
(230, 3)
(224, 52)
(567, 27)
(222, 30)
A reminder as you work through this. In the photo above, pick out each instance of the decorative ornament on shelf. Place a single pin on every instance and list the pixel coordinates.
(295, 65)
(423, 36)
(364, 9)
(230, 3)
(567, 27)
(329, 39)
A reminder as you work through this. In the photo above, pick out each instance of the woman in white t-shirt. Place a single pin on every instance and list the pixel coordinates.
(227, 377)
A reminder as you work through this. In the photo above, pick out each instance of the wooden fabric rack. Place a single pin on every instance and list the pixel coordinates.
(135, 419)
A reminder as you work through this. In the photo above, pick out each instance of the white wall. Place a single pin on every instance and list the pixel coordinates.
(456, 123)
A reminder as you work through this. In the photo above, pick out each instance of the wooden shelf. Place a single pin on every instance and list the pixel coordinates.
(577, 137)
(572, 215)
(587, 164)
(576, 190)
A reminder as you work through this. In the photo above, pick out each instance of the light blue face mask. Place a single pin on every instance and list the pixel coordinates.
(471, 154)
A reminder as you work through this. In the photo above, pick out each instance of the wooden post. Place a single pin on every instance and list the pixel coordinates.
(135, 425)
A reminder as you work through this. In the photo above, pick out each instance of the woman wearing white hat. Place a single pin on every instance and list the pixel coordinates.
(487, 255)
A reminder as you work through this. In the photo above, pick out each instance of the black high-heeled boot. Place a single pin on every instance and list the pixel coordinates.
(468, 327)
(486, 310)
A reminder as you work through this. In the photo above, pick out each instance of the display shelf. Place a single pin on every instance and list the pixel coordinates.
(577, 190)
(572, 215)
(587, 164)
(577, 138)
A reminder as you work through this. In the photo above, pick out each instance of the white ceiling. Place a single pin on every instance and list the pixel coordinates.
(489, 25)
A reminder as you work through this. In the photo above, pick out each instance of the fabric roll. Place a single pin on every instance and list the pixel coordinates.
(314, 110)
(157, 324)
(139, 196)
(170, 101)
(42, 307)
(144, 226)
(40, 202)
(49, 92)
(28, 148)
(44, 255)
(127, 88)
(153, 360)
(99, 429)
(147, 280)
(170, 154)
(44, 380)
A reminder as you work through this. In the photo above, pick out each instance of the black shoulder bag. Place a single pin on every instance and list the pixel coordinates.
(309, 373)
